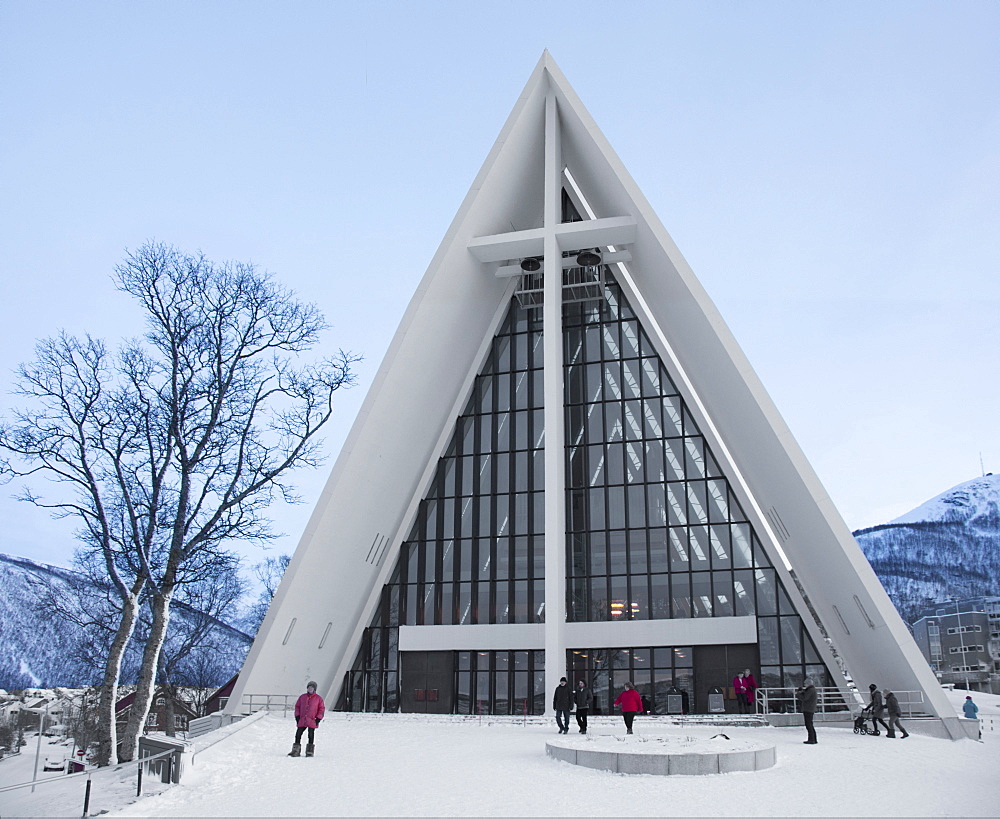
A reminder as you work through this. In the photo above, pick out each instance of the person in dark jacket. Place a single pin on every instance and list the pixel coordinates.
(584, 702)
(807, 692)
(309, 710)
(892, 706)
(562, 704)
(750, 684)
(631, 704)
(877, 709)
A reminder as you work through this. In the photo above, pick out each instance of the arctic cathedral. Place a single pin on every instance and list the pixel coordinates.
(653, 532)
(566, 467)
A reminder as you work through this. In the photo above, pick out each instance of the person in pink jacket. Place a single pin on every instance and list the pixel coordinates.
(309, 710)
(631, 704)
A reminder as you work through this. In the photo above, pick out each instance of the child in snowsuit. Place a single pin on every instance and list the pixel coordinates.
(309, 710)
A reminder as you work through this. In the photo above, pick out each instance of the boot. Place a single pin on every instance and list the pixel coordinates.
(309, 749)
(296, 749)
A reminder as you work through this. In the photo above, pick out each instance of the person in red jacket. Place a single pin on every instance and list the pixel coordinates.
(631, 704)
(740, 687)
(309, 710)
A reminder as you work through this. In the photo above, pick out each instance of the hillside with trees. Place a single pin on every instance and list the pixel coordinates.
(946, 548)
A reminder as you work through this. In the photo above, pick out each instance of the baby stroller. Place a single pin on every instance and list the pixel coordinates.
(861, 721)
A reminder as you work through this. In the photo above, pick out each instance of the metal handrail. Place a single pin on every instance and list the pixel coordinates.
(100, 772)
(271, 702)
(88, 774)
(830, 699)
(243, 723)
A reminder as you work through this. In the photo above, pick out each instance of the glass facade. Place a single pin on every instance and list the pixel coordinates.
(500, 682)
(654, 530)
(655, 672)
(476, 553)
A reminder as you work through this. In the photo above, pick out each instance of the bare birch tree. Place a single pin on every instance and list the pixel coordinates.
(169, 451)
(269, 572)
(75, 430)
(198, 608)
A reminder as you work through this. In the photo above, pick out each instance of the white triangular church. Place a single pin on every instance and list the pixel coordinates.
(566, 466)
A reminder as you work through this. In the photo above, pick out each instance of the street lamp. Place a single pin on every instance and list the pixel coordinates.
(43, 717)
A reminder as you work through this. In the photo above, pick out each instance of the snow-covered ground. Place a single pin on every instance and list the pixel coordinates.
(393, 765)
(59, 795)
(19, 767)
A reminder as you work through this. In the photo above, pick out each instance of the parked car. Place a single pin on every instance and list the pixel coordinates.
(54, 763)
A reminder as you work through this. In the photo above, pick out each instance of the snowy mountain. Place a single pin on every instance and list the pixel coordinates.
(975, 504)
(948, 547)
(38, 648)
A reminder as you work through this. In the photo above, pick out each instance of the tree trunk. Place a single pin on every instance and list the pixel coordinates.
(170, 693)
(145, 688)
(107, 730)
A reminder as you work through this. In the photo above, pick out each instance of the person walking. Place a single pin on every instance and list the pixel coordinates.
(309, 710)
(892, 706)
(751, 686)
(584, 702)
(631, 704)
(562, 704)
(741, 689)
(971, 711)
(808, 694)
(877, 709)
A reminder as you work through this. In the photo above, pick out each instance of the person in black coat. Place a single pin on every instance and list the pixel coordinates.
(562, 704)
(584, 702)
(807, 692)
(877, 709)
(892, 706)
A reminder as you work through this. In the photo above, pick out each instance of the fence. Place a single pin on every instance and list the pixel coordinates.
(204, 725)
(165, 764)
(272, 703)
(830, 700)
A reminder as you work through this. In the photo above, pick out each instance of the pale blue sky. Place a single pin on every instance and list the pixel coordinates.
(831, 171)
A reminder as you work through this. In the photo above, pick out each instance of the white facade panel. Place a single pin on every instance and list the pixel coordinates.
(513, 637)
(697, 631)
(624, 634)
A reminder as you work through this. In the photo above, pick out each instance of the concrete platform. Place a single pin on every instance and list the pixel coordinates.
(662, 756)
